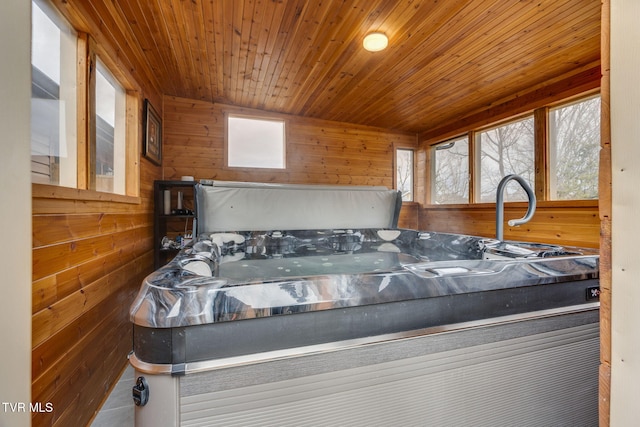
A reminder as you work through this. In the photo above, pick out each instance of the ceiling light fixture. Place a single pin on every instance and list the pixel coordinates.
(375, 42)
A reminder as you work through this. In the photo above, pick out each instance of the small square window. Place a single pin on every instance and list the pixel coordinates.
(255, 143)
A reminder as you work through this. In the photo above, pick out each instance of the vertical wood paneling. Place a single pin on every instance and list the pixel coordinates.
(541, 138)
(605, 195)
(409, 216)
(421, 178)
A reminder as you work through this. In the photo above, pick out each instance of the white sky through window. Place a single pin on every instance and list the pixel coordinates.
(45, 54)
(105, 98)
(255, 143)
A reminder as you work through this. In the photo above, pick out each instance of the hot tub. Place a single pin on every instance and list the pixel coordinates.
(371, 326)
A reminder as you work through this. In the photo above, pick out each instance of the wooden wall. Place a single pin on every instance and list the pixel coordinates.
(569, 224)
(322, 152)
(89, 258)
(90, 253)
(318, 151)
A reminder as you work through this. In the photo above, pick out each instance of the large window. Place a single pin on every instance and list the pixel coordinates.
(53, 98)
(556, 149)
(450, 162)
(255, 143)
(574, 147)
(504, 150)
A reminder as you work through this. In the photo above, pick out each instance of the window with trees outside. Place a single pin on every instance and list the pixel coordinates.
(574, 149)
(450, 162)
(468, 169)
(404, 173)
(504, 150)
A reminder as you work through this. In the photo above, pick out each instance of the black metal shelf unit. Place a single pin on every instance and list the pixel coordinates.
(173, 221)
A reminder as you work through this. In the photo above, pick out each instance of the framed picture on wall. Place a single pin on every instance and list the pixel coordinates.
(152, 146)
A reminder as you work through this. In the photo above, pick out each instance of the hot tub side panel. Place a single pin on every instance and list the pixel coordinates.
(539, 371)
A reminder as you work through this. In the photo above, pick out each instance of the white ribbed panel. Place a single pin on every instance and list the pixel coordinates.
(546, 379)
(259, 206)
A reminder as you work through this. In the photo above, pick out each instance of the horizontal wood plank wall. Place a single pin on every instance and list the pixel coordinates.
(90, 253)
(89, 259)
(575, 224)
(318, 151)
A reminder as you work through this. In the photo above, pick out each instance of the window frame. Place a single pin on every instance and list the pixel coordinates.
(551, 163)
(477, 172)
(541, 154)
(67, 94)
(433, 167)
(87, 49)
(413, 151)
(229, 113)
(120, 140)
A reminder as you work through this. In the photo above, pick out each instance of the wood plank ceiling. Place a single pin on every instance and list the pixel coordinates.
(445, 60)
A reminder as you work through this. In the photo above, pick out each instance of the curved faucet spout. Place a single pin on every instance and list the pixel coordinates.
(500, 204)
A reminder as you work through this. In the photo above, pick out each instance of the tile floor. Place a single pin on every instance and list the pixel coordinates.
(118, 409)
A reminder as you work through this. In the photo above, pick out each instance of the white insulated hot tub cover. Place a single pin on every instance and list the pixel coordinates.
(244, 206)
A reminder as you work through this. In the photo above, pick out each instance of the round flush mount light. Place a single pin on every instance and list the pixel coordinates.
(375, 42)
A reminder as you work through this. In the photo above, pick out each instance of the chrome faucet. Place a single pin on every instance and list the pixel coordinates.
(500, 205)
